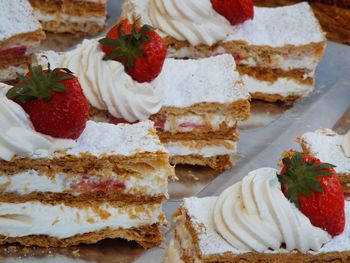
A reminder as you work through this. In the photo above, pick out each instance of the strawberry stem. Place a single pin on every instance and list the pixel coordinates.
(128, 46)
(300, 176)
(39, 84)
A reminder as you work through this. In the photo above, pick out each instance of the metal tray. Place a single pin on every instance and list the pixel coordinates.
(268, 132)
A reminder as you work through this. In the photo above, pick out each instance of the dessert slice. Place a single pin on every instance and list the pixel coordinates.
(72, 16)
(111, 184)
(203, 101)
(224, 228)
(276, 53)
(20, 34)
(195, 104)
(102, 181)
(332, 148)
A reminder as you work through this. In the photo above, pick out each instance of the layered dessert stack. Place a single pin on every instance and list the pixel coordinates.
(66, 180)
(276, 52)
(195, 104)
(72, 16)
(203, 101)
(20, 34)
(256, 220)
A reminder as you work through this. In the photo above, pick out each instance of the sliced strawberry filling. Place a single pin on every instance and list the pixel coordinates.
(86, 183)
(160, 123)
(237, 58)
(14, 52)
(190, 125)
(187, 125)
(115, 120)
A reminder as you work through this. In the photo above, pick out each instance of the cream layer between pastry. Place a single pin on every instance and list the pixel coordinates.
(63, 221)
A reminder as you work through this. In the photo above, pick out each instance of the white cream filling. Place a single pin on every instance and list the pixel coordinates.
(61, 221)
(346, 144)
(190, 122)
(285, 63)
(277, 61)
(46, 17)
(179, 148)
(282, 86)
(30, 181)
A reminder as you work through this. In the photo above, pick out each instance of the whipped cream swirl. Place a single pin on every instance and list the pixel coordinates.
(255, 215)
(346, 144)
(107, 86)
(17, 135)
(194, 21)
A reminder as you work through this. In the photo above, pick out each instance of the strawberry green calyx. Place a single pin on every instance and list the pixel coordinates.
(39, 84)
(128, 46)
(300, 176)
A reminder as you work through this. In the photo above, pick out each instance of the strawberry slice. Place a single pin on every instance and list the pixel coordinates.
(235, 11)
(115, 120)
(190, 125)
(14, 52)
(160, 123)
(88, 184)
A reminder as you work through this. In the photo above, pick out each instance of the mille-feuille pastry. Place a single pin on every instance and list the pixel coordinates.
(65, 180)
(71, 16)
(195, 104)
(256, 220)
(276, 50)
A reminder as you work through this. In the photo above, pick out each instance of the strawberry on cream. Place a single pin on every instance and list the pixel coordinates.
(107, 86)
(194, 21)
(17, 135)
(255, 215)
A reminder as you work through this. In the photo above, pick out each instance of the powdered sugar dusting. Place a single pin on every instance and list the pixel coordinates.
(186, 81)
(200, 211)
(326, 145)
(279, 26)
(16, 18)
(123, 139)
(213, 79)
(210, 242)
(275, 27)
(49, 56)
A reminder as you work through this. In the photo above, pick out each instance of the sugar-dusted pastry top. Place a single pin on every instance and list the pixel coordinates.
(326, 145)
(182, 82)
(275, 27)
(188, 82)
(279, 26)
(122, 139)
(18, 137)
(200, 211)
(16, 18)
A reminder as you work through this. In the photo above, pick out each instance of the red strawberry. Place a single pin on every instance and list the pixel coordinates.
(54, 101)
(15, 52)
(315, 189)
(141, 50)
(235, 11)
